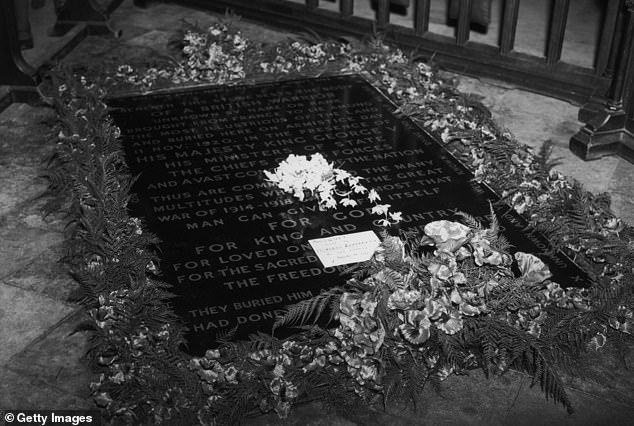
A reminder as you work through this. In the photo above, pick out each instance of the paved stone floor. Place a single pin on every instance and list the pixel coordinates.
(41, 359)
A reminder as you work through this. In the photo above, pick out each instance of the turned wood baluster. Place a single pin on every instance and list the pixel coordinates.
(557, 31)
(346, 7)
(464, 22)
(610, 129)
(509, 26)
(421, 16)
(623, 81)
(607, 38)
(382, 13)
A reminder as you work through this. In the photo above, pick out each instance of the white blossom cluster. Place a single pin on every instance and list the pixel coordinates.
(299, 175)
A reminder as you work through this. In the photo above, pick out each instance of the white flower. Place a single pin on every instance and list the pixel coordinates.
(360, 189)
(317, 178)
(380, 209)
(532, 268)
(354, 180)
(348, 202)
(330, 203)
(341, 175)
(447, 235)
(396, 217)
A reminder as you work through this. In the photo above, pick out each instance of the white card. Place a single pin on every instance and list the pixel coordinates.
(345, 249)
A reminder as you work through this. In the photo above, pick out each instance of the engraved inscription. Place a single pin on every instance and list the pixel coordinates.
(236, 249)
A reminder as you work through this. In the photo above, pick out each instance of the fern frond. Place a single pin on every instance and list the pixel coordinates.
(391, 278)
(225, 336)
(470, 221)
(492, 232)
(544, 157)
(505, 346)
(309, 310)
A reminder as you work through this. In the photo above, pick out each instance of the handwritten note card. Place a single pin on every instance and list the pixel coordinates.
(345, 249)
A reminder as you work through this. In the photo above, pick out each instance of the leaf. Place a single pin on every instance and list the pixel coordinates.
(533, 270)
(308, 310)
(225, 336)
(470, 221)
(494, 228)
(543, 157)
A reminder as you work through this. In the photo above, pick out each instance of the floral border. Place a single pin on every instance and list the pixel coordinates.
(407, 317)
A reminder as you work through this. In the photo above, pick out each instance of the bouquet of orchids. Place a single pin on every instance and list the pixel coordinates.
(330, 186)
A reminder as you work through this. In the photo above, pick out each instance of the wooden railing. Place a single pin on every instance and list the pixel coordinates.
(546, 74)
(609, 119)
(606, 87)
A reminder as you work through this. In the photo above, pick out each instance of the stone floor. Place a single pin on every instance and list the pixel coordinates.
(41, 359)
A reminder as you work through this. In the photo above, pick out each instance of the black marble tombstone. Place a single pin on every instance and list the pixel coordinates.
(236, 249)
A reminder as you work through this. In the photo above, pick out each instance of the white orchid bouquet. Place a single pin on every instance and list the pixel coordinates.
(330, 186)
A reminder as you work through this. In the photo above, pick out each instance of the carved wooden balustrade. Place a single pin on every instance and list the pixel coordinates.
(609, 119)
(545, 74)
(605, 89)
